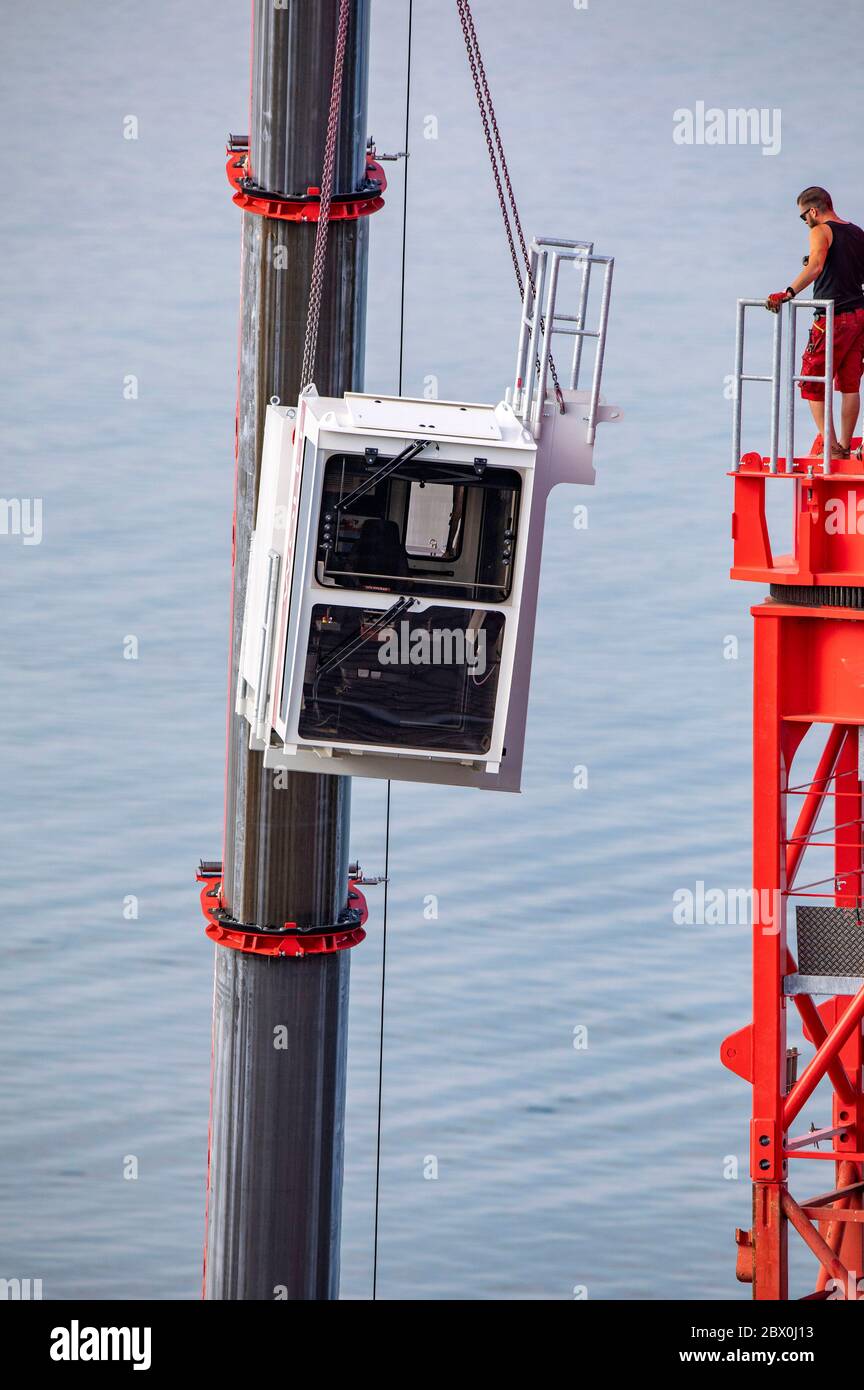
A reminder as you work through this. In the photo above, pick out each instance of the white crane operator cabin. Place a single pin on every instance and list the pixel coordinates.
(394, 568)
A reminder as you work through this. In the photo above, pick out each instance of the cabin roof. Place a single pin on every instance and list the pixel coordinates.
(461, 421)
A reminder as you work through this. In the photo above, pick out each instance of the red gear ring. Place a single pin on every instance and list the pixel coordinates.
(287, 940)
(346, 207)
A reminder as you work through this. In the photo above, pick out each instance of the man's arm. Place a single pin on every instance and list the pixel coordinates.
(820, 243)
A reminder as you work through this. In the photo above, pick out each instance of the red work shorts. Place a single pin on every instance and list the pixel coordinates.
(848, 355)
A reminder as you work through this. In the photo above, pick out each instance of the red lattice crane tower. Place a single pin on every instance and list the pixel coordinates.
(808, 685)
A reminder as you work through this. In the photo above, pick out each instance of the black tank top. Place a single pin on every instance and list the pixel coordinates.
(843, 273)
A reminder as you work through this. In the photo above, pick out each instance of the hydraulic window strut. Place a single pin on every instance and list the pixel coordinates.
(408, 453)
(353, 643)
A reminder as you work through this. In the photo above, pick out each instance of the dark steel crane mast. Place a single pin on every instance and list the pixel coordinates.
(280, 1023)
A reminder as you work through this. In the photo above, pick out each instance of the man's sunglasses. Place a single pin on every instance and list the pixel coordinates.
(805, 215)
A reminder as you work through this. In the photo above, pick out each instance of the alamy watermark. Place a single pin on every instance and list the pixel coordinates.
(22, 516)
(844, 516)
(740, 125)
(20, 1289)
(77, 1343)
(852, 1293)
(728, 907)
(443, 646)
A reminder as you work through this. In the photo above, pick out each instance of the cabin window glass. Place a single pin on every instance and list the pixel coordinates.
(400, 679)
(427, 528)
(433, 528)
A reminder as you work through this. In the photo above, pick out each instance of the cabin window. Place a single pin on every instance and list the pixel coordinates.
(434, 520)
(403, 680)
(427, 528)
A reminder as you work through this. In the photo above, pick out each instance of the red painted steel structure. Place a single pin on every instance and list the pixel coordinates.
(809, 675)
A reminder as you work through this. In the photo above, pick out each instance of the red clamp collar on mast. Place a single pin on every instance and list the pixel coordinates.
(346, 207)
(287, 940)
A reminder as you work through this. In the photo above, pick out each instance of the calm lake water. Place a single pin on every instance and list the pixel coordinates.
(606, 1166)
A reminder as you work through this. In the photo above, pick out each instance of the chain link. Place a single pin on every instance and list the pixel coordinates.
(319, 256)
(495, 147)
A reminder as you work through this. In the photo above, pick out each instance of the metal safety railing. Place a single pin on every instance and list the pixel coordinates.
(540, 319)
(784, 380)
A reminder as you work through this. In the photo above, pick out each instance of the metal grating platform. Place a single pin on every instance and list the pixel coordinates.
(830, 941)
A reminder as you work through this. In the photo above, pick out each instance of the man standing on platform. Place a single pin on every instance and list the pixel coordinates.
(835, 269)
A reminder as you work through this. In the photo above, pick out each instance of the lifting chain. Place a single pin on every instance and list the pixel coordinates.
(319, 256)
(487, 116)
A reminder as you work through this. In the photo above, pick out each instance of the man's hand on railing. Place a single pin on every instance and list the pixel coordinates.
(774, 302)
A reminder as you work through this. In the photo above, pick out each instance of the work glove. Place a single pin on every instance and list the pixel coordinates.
(774, 301)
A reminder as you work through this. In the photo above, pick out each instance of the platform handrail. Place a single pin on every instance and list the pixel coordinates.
(783, 382)
(827, 380)
(540, 321)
